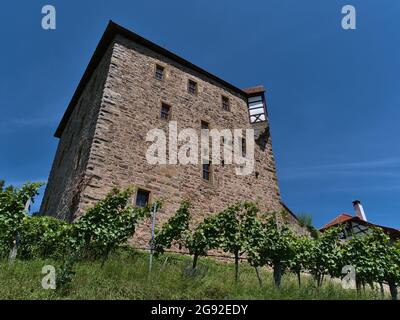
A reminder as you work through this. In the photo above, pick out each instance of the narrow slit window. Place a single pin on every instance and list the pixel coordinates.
(159, 72)
(192, 87)
(225, 103)
(205, 125)
(207, 171)
(165, 111)
(142, 198)
(243, 147)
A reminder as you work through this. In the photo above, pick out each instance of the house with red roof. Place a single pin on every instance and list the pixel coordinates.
(357, 224)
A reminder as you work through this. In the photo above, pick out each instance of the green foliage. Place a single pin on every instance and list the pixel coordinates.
(325, 256)
(302, 248)
(238, 230)
(110, 223)
(44, 237)
(12, 212)
(205, 237)
(125, 277)
(176, 229)
(305, 221)
(197, 242)
(393, 262)
(66, 272)
(374, 256)
(237, 226)
(274, 247)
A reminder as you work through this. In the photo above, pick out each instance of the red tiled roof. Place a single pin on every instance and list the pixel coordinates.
(343, 217)
(255, 90)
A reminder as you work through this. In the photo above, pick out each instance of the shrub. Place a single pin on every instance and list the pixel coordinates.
(273, 247)
(110, 223)
(44, 237)
(175, 230)
(12, 212)
(237, 225)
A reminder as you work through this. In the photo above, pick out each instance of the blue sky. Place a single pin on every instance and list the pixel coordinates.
(333, 95)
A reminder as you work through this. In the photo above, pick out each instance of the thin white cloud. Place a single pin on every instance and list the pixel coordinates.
(388, 167)
(29, 122)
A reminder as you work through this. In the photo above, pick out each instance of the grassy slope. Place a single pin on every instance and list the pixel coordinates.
(124, 276)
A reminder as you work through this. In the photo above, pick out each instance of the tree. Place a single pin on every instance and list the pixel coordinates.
(205, 237)
(325, 256)
(12, 212)
(360, 252)
(302, 248)
(274, 247)
(375, 259)
(108, 224)
(392, 272)
(43, 237)
(236, 225)
(176, 230)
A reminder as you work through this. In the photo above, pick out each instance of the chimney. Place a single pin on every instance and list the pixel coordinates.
(358, 208)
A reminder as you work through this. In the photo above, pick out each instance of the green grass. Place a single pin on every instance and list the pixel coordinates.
(125, 276)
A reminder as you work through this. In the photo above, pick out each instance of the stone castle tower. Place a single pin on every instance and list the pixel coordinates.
(131, 86)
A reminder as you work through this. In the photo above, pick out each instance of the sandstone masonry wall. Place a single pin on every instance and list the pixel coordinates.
(103, 144)
(68, 177)
(131, 107)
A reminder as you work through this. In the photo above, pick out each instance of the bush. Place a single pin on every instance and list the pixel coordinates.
(110, 223)
(12, 213)
(44, 237)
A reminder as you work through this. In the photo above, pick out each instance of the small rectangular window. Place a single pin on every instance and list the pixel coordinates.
(159, 72)
(192, 87)
(165, 111)
(225, 103)
(243, 147)
(142, 198)
(205, 125)
(207, 171)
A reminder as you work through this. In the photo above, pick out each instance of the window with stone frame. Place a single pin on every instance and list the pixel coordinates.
(142, 198)
(192, 87)
(165, 111)
(225, 103)
(205, 125)
(206, 172)
(159, 72)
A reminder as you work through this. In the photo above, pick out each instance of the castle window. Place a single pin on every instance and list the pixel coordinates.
(192, 87)
(165, 111)
(205, 125)
(142, 198)
(159, 72)
(243, 147)
(225, 103)
(207, 171)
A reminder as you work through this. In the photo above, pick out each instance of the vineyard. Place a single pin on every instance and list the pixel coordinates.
(93, 250)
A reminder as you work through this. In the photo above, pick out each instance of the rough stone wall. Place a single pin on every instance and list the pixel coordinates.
(68, 174)
(131, 107)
